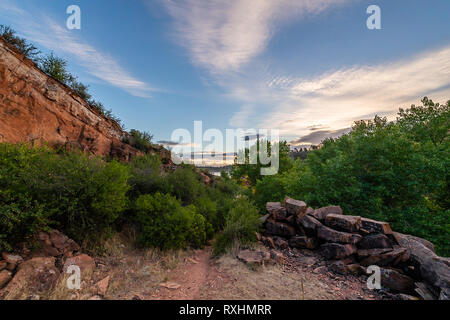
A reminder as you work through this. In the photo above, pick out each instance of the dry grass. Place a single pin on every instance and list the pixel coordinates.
(265, 282)
(141, 269)
(130, 270)
(61, 291)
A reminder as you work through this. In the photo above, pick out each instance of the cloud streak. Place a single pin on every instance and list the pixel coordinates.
(336, 99)
(45, 32)
(224, 35)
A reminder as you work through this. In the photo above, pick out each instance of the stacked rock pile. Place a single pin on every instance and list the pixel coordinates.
(352, 243)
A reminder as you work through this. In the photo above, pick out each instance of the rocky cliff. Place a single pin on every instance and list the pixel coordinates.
(38, 109)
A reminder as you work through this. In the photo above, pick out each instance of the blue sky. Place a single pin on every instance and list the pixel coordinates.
(307, 68)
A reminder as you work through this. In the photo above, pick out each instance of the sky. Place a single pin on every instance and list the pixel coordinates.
(306, 68)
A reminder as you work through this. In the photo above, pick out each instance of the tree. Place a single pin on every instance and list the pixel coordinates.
(55, 67)
(22, 45)
(392, 171)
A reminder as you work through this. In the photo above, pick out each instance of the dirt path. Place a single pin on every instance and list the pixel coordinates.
(186, 281)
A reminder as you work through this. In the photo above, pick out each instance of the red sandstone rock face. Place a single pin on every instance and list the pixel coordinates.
(36, 108)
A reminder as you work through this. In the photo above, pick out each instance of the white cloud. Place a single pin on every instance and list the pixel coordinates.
(42, 30)
(336, 99)
(224, 35)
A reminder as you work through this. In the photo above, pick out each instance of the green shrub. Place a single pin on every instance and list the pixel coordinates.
(185, 184)
(145, 176)
(166, 224)
(208, 209)
(241, 224)
(140, 140)
(20, 219)
(55, 67)
(22, 45)
(269, 189)
(397, 172)
(81, 195)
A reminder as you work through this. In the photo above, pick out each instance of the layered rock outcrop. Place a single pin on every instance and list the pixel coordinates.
(38, 109)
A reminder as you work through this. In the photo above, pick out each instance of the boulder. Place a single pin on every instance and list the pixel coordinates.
(291, 220)
(253, 257)
(424, 291)
(12, 258)
(373, 241)
(279, 228)
(330, 235)
(295, 207)
(309, 224)
(3, 265)
(303, 242)
(5, 276)
(268, 241)
(281, 243)
(433, 269)
(405, 297)
(396, 281)
(335, 251)
(343, 223)
(321, 213)
(55, 244)
(338, 267)
(382, 257)
(276, 256)
(36, 275)
(63, 243)
(102, 286)
(354, 268)
(374, 226)
(400, 236)
(445, 294)
(276, 210)
(83, 261)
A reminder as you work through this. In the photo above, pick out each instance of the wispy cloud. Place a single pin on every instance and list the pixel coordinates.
(224, 35)
(228, 37)
(335, 100)
(44, 31)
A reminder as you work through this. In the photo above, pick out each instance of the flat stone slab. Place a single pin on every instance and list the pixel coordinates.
(374, 226)
(333, 251)
(343, 223)
(279, 228)
(330, 235)
(321, 213)
(295, 207)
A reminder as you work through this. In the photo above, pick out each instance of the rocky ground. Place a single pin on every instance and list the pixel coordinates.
(302, 254)
(151, 275)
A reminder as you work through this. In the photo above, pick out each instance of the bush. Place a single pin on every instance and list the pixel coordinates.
(20, 219)
(241, 224)
(208, 209)
(140, 140)
(269, 189)
(397, 172)
(22, 45)
(185, 184)
(145, 176)
(81, 195)
(55, 67)
(166, 224)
